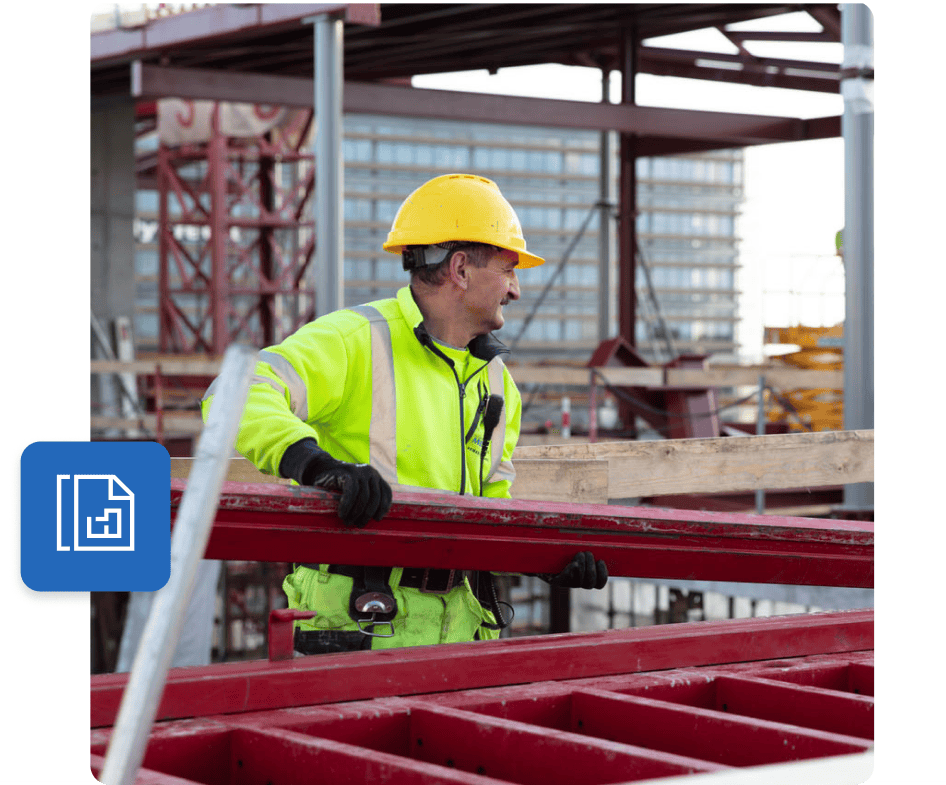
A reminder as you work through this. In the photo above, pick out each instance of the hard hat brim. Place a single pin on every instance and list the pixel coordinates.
(526, 259)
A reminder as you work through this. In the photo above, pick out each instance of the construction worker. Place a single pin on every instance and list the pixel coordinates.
(407, 391)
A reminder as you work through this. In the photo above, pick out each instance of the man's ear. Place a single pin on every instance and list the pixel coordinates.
(459, 266)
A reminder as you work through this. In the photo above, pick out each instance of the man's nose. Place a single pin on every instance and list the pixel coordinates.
(514, 287)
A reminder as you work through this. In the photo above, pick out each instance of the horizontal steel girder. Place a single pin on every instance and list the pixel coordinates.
(150, 82)
(262, 685)
(295, 524)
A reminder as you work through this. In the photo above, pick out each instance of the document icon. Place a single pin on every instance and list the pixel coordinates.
(95, 516)
(102, 513)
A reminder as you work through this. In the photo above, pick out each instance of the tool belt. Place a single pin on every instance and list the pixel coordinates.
(430, 580)
(372, 601)
(372, 605)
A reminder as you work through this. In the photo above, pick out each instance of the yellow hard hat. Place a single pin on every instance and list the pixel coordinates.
(459, 207)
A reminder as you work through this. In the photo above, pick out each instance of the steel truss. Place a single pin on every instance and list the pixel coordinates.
(234, 242)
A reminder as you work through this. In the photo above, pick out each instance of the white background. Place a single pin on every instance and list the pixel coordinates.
(45, 390)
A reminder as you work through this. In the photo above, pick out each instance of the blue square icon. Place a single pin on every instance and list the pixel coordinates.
(95, 516)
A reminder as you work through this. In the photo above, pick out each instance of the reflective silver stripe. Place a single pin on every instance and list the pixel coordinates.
(498, 440)
(505, 471)
(298, 396)
(254, 379)
(382, 435)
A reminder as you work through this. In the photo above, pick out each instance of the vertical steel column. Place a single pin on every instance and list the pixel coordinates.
(195, 519)
(760, 431)
(627, 228)
(267, 202)
(219, 234)
(857, 125)
(165, 308)
(604, 225)
(329, 171)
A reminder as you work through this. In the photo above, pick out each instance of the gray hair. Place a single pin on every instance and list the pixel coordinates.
(435, 273)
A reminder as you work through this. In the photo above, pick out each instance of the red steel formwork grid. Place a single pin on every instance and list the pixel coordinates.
(614, 706)
(234, 243)
(619, 706)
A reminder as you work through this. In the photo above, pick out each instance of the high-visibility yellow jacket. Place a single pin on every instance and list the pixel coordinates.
(371, 386)
(392, 402)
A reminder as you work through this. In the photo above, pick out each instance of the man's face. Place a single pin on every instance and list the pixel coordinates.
(491, 287)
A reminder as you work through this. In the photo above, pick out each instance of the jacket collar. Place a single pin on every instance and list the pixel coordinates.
(483, 347)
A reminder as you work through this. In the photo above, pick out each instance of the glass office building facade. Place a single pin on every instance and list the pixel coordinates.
(687, 207)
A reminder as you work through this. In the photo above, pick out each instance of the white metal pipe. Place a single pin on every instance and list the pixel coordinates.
(195, 516)
(857, 125)
(604, 226)
(329, 165)
(760, 431)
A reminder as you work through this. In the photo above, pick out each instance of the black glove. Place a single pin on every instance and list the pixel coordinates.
(365, 493)
(583, 572)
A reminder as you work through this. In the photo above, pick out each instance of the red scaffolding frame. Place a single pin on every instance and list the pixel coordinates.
(234, 240)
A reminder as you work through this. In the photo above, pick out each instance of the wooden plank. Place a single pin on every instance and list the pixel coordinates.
(169, 367)
(188, 424)
(568, 480)
(239, 470)
(656, 376)
(784, 378)
(536, 480)
(593, 473)
(581, 377)
(724, 464)
(734, 376)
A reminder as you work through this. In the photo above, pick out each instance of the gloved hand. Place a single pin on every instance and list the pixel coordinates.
(583, 572)
(365, 493)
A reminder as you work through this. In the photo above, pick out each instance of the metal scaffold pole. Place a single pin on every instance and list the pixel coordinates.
(857, 89)
(604, 227)
(329, 164)
(195, 518)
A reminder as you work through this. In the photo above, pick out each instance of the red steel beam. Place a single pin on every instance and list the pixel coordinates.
(150, 81)
(294, 524)
(711, 735)
(514, 751)
(829, 710)
(262, 685)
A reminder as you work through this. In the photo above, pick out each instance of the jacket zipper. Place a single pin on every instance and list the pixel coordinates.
(461, 386)
(484, 399)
